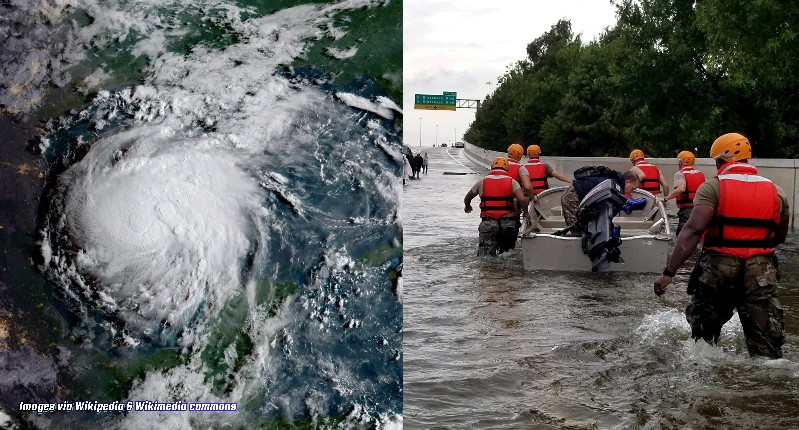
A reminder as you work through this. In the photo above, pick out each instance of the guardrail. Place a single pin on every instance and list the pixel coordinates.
(782, 172)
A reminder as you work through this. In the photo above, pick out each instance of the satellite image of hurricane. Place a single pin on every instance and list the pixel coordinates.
(200, 214)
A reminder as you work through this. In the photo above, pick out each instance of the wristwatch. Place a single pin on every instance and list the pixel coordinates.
(668, 272)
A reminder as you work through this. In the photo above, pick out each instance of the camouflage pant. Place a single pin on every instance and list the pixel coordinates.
(497, 235)
(570, 206)
(682, 217)
(720, 284)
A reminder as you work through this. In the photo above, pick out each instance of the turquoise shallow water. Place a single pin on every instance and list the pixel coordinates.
(218, 221)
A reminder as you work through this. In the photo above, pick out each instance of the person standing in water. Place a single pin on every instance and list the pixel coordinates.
(651, 178)
(741, 216)
(497, 231)
(686, 181)
(538, 173)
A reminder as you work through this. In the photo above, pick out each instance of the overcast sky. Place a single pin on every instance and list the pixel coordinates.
(461, 45)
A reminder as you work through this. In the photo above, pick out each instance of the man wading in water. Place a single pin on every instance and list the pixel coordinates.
(743, 216)
(498, 229)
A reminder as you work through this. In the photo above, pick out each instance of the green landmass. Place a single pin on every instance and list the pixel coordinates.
(107, 379)
(377, 34)
(231, 330)
(317, 423)
(380, 255)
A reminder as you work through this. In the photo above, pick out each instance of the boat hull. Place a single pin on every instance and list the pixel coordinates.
(642, 249)
(641, 254)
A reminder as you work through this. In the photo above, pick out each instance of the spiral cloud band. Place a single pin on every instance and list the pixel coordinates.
(163, 225)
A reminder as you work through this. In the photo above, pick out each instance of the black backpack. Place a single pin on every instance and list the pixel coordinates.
(601, 171)
(586, 178)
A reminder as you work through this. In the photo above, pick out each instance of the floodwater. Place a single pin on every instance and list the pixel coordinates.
(490, 345)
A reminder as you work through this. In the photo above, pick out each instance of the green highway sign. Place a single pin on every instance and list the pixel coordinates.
(445, 101)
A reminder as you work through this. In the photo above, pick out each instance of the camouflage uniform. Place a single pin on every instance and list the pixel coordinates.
(720, 284)
(497, 235)
(570, 206)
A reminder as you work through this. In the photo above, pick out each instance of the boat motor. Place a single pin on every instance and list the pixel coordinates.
(600, 238)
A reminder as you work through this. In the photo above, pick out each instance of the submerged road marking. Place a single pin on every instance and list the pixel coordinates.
(456, 160)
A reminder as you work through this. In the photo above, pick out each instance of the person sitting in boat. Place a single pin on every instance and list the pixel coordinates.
(686, 181)
(651, 178)
(585, 179)
(497, 231)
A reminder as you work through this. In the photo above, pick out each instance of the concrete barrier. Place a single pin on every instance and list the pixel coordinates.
(781, 172)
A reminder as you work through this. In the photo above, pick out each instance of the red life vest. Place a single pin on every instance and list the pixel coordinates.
(538, 175)
(651, 181)
(748, 216)
(513, 169)
(496, 200)
(693, 179)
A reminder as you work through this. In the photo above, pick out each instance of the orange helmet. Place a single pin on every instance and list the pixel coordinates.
(687, 158)
(515, 151)
(731, 147)
(533, 151)
(500, 163)
(636, 155)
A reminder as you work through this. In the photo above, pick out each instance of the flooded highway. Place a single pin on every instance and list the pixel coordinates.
(489, 345)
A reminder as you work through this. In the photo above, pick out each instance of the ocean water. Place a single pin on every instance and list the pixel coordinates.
(219, 221)
(490, 345)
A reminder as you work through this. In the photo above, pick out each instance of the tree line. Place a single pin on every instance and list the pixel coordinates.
(669, 75)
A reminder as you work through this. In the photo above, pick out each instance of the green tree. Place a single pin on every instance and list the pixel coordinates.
(753, 56)
(584, 123)
(663, 95)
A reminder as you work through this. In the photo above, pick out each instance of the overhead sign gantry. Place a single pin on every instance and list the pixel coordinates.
(447, 101)
(435, 102)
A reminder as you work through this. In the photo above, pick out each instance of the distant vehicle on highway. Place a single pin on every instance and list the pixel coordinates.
(458, 145)
(443, 145)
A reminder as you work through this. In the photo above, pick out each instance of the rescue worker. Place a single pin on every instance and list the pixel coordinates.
(686, 181)
(651, 178)
(498, 230)
(585, 179)
(520, 174)
(538, 171)
(743, 216)
(515, 171)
